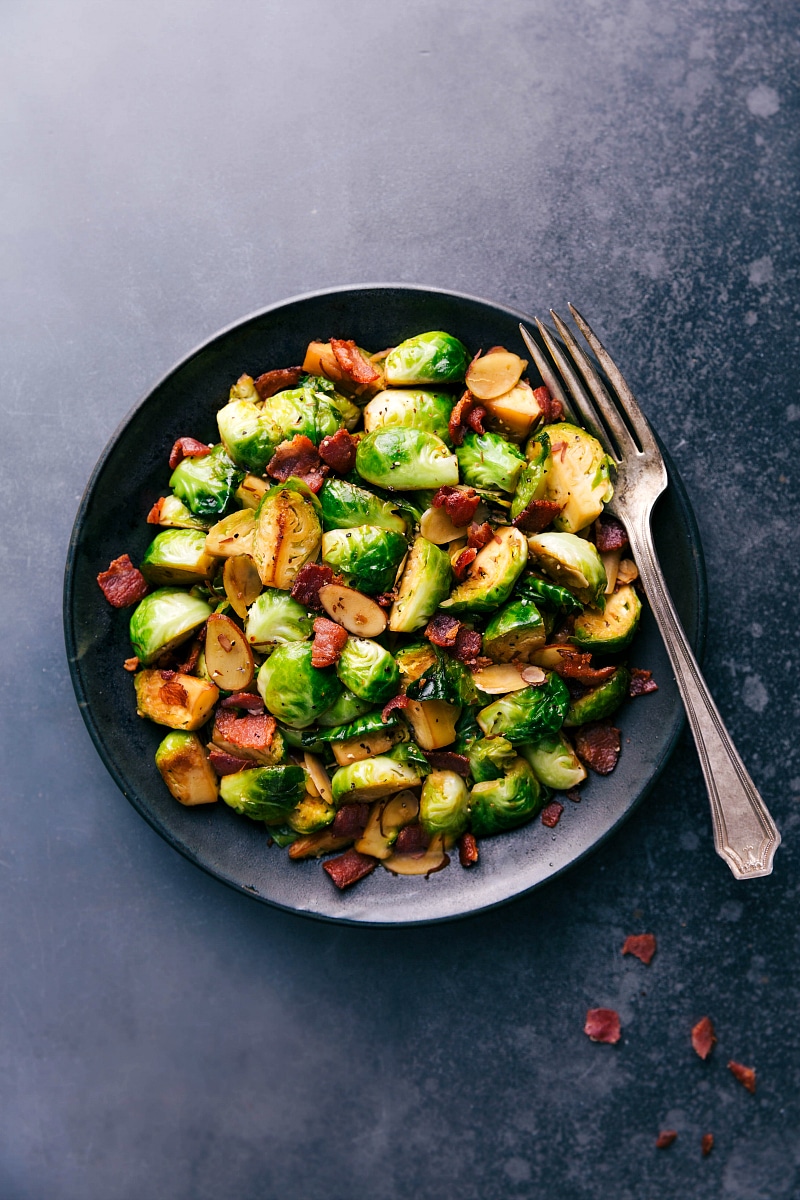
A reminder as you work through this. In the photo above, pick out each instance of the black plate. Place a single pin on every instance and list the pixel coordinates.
(133, 472)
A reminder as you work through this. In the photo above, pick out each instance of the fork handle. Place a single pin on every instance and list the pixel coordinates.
(744, 833)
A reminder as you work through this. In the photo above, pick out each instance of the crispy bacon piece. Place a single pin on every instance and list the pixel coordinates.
(352, 362)
(467, 414)
(123, 583)
(598, 745)
(249, 700)
(330, 640)
(448, 760)
(400, 701)
(154, 516)
(574, 794)
(602, 1025)
(468, 646)
(386, 599)
(350, 821)
(252, 732)
(131, 664)
(479, 536)
(475, 418)
(187, 447)
(459, 503)
(665, 1138)
(576, 664)
(551, 814)
(641, 682)
(442, 630)
(338, 451)
(552, 410)
(349, 867)
(298, 457)
(609, 534)
(227, 764)
(641, 946)
(467, 850)
(707, 1144)
(464, 561)
(310, 578)
(412, 839)
(704, 1038)
(275, 381)
(537, 515)
(745, 1075)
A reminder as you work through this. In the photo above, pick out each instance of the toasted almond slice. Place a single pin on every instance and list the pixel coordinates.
(547, 657)
(232, 535)
(436, 526)
(356, 612)
(434, 859)
(251, 490)
(628, 571)
(398, 811)
(533, 675)
(318, 776)
(499, 679)
(241, 582)
(229, 659)
(611, 560)
(494, 374)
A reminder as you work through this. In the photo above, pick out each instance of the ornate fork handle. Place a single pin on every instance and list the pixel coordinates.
(744, 833)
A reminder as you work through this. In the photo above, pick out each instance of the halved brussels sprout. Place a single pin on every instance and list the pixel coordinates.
(366, 556)
(264, 793)
(314, 409)
(613, 629)
(601, 701)
(249, 434)
(185, 769)
(368, 671)
(532, 482)
(492, 576)
(501, 804)
(514, 632)
(294, 691)
(178, 556)
(444, 678)
(311, 814)
(443, 804)
(346, 506)
(288, 535)
(579, 476)
(414, 660)
(555, 763)
(233, 534)
(411, 409)
(487, 460)
(434, 357)
(345, 710)
(572, 562)
(164, 619)
(173, 514)
(548, 595)
(527, 715)
(251, 491)
(205, 485)
(174, 698)
(490, 758)
(275, 617)
(400, 459)
(423, 587)
(371, 779)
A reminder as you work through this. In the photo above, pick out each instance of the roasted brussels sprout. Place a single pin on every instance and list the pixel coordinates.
(359, 727)
(185, 769)
(492, 576)
(514, 632)
(427, 358)
(178, 556)
(275, 617)
(414, 660)
(423, 587)
(490, 758)
(402, 459)
(314, 409)
(548, 595)
(174, 698)
(371, 779)
(578, 477)
(572, 562)
(173, 514)
(532, 481)
(368, 670)
(601, 701)
(501, 804)
(249, 434)
(444, 678)
(487, 460)
(233, 535)
(554, 763)
(345, 710)
(367, 557)
(529, 714)
(346, 506)
(613, 629)
(288, 535)
(294, 691)
(411, 410)
(164, 619)
(265, 793)
(311, 814)
(205, 485)
(443, 804)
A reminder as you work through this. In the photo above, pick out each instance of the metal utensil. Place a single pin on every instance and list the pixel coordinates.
(744, 833)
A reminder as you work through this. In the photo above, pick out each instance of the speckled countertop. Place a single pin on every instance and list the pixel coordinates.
(168, 169)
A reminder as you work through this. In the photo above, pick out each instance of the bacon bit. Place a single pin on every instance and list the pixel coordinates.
(707, 1144)
(641, 682)
(187, 447)
(704, 1038)
(253, 732)
(173, 692)
(467, 414)
(339, 452)
(598, 745)
(475, 418)
(468, 646)
(448, 760)
(479, 536)
(442, 630)
(275, 381)
(227, 764)
(577, 665)
(468, 850)
(464, 561)
(248, 700)
(131, 664)
(602, 1025)
(413, 840)
(574, 794)
(154, 516)
(665, 1138)
(352, 362)
(641, 946)
(298, 457)
(349, 867)
(459, 503)
(551, 814)
(609, 534)
(400, 701)
(552, 410)
(386, 599)
(310, 579)
(537, 515)
(350, 821)
(123, 583)
(745, 1075)
(191, 661)
(330, 640)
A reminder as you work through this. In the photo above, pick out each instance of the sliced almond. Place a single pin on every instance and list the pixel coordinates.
(628, 571)
(232, 535)
(356, 749)
(495, 373)
(356, 612)
(318, 776)
(399, 811)
(611, 560)
(229, 659)
(533, 676)
(374, 841)
(250, 491)
(547, 657)
(434, 859)
(499, 679)
(241, 582)
(436, 526)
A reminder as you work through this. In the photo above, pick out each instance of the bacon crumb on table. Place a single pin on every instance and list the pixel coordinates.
(602, 1025)
(707, 1144)
(703, 1037)
(330, 640)
(745, 1075)
(187, 447)
(123, 583)
(665, 1138)
(349, 867)
(597, 744)
(131, 664)
(551, 814)
(641, 682)
(641, 946)
(574, 794)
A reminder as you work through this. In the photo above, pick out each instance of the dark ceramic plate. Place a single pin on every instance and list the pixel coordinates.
(133, 472)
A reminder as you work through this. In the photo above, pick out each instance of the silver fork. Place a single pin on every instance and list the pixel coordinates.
(744, 833)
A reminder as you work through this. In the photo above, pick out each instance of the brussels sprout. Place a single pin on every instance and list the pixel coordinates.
(410, 755)
(532, 482)
(445, 678)
(405, 460)
(346, 506)
(554, 763)
(572, 562)
(178, 556)
(415, 659)
(294, 691)
(174, 514)
(164, 619)
(251, 491)
(249, 434)
(490, 758)
(601, 701)
(179, 700)
(346, 709)
(366, 556)
(528, 714)
(275, 617)
(548, 595)
(492, 576)
(185, 769)
(282, 835)
(311, 814)
(288, 535)
(358, 727)
(368, 670)
(487, 460)
(411, 410)
(613, 629)
(579, 476)
(467, 731)
(443, 804)
(206, 484)
(233, 535)
(424, 585)
(514, 632)
(371, 779)
(427, 358)
(264, 793)
(501, 804)
(314, 409)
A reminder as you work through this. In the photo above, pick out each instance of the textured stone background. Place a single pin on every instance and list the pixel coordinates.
(168, 168)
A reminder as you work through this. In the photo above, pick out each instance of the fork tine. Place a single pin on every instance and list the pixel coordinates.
(604, 402)
(628, 401)
(545, 370)
(578, 392)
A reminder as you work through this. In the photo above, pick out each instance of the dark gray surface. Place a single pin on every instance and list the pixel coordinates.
(167, 170)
